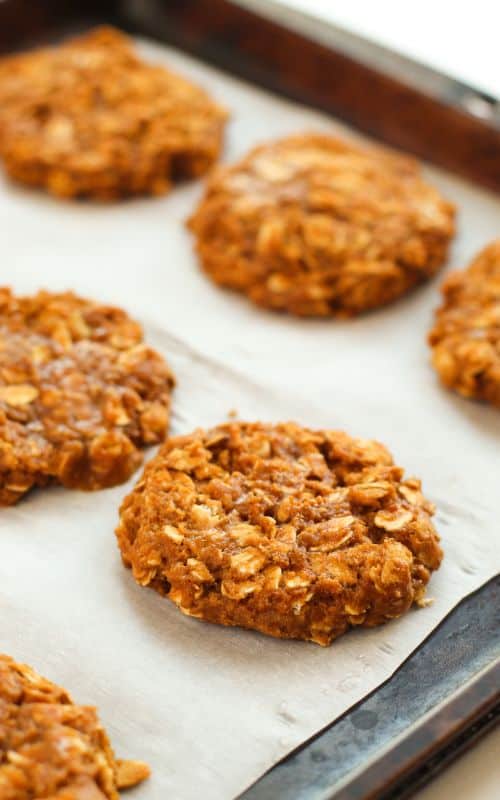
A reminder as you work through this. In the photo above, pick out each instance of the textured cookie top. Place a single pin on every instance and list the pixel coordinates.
(51, 748)
(466, 334)
(89, 118)
(316, 225)
(276, 527)
(80, 392)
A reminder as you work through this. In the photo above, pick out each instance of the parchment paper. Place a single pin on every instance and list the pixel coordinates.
(212, 708)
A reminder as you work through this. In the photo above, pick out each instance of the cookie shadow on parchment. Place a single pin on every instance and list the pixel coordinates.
(204, 640)
(233, 649)
(483, 417)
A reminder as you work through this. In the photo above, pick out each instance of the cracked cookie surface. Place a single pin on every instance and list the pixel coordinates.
(90, 119)
(52, 748)
(293, 532)
(80, 393)
(465, 339)
(317, 226)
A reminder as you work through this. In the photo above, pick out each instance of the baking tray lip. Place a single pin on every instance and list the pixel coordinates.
(482, 595)
(443, 86)
(469, 689)
(233, 36)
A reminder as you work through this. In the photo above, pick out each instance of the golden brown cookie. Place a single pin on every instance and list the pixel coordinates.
(50, 747)
(296, 533)
(80, 393)
(317, 226)
(465, 339)
(90, 119)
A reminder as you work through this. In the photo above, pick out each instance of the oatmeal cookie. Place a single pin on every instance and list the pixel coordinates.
(465, 339)
(80, 392)
(296, 533)
(90, 119)
(316, 226)
(52, 748)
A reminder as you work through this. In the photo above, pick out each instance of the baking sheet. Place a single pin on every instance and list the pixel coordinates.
(212, 708)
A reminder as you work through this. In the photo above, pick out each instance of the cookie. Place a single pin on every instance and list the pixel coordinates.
(50, 747)
(296, 533)
(465, 339)
(90, 119)
(80, 393)
(317, 226)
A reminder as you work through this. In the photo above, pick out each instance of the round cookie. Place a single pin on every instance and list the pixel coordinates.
(465, 339)
(317, 226)
(90, 119)
(80, 393)
(50, 747)
(293, 532)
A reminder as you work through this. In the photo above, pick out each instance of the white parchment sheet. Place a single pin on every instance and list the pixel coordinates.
(212, 708)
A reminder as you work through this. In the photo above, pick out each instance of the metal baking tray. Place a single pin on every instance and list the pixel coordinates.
(446, 695)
